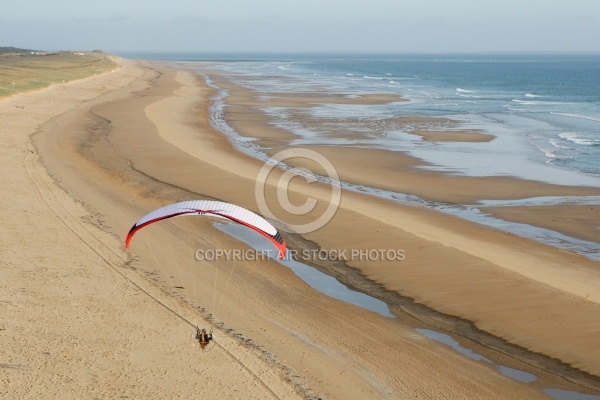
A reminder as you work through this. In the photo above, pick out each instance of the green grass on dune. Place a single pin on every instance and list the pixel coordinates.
(23, 72)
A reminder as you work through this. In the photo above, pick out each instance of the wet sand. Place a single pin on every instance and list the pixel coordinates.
(145, 141)
(578, 221)
(453, 136)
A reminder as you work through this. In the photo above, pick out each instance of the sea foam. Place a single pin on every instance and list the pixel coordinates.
(580, 138)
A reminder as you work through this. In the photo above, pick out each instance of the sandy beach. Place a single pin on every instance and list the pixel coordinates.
(83, 317)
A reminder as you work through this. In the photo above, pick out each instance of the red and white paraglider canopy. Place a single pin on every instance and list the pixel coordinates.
(215, 209)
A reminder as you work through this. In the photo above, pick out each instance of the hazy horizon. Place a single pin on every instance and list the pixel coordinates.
(293, 26)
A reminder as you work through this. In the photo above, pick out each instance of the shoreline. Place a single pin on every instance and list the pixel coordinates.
(177, 128)
(523, 188)
(187, 146)
(367, 169)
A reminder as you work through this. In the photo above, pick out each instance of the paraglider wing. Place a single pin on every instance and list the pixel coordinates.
(216, 209)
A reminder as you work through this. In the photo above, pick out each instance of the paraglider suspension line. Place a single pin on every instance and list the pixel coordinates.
(224, 290)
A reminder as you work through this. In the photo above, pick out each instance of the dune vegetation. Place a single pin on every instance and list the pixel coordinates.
(26, 70)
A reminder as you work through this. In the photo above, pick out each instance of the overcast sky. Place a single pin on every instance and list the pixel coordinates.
(302, 25)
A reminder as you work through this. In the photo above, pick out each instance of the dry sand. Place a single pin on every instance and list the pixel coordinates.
(83, 318)
(75, 322)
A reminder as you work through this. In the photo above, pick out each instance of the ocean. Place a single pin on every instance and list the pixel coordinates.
(543, 109)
